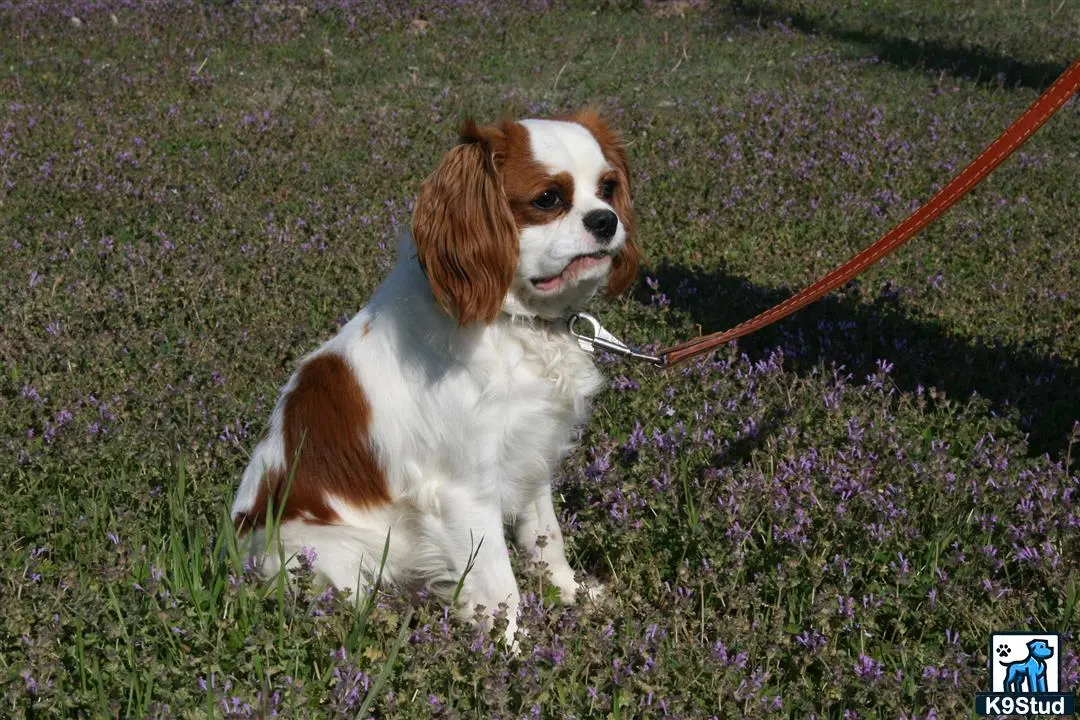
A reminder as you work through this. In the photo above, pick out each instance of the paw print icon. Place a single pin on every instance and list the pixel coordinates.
(1002, 650)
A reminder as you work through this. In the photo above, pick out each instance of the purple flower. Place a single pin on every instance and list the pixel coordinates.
(30, 394)
(868, 668)
(307, 557)
(811, 640)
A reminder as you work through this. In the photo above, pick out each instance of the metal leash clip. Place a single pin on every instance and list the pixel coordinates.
(601, 338)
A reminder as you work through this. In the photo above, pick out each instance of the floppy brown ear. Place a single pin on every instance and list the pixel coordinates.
(624, 265)
(465, 235)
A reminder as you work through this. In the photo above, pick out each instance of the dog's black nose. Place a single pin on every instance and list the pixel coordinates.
(602, 224)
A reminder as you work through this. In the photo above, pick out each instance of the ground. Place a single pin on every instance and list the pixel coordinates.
(826, 519)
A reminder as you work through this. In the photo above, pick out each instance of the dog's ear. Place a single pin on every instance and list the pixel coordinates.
(625, 265)
(465, 235)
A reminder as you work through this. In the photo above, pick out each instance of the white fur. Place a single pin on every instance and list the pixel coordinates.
(468, 423)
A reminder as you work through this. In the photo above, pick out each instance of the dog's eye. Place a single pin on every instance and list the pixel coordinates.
(607, 190)
(548, 201)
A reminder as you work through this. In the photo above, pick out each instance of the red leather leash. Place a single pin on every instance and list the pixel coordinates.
(1015, 136)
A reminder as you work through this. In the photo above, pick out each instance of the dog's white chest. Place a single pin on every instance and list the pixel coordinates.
(537, 395)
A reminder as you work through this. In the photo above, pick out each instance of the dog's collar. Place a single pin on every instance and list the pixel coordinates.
(589, 334)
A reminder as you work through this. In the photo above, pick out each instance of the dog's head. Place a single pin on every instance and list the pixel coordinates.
(527, 217)
(1040, 650)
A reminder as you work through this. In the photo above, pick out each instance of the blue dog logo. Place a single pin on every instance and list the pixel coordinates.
(1030, 670)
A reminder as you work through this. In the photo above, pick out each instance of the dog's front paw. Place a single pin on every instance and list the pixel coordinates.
(571, 591)
(563, 579)
(592, 590)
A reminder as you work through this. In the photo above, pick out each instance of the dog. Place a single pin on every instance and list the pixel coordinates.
(437, 415)
(1031, 669)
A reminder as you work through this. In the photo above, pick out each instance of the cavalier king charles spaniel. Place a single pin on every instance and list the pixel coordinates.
(437, 415)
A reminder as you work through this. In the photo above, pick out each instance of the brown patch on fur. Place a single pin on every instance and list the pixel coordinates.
(365, 330)
(524, 179)
(624, 265)
(465, 234)
(524, 187)
(326, 418)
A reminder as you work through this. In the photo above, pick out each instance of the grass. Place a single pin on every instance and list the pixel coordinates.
(825, 520)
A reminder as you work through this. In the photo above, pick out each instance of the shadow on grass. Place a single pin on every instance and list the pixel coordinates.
(983, 65)
(845, 329)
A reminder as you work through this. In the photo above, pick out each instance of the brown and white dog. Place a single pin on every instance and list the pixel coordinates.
(438, 414)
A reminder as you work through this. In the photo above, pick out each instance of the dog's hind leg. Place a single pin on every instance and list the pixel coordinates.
(1012, 679)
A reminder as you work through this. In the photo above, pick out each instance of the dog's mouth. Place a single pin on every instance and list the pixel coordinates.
(572, 271)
